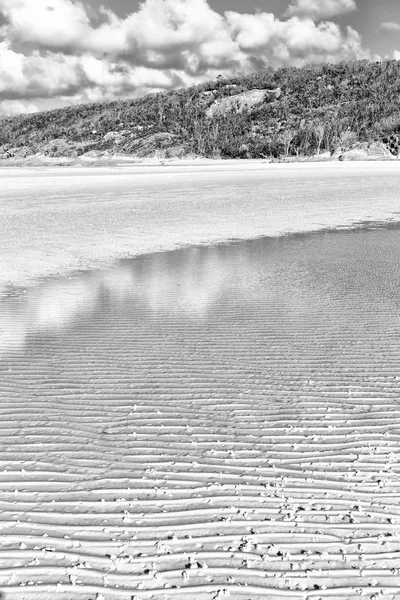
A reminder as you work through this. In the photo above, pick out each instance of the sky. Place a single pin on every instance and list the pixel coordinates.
(64, 52)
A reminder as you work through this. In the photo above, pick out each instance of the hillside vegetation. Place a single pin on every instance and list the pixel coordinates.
(282, 113)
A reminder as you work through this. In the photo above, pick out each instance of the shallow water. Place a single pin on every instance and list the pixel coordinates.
(206, 418)
(53, 221)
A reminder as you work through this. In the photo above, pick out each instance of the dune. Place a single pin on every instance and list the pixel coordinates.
(205, 422)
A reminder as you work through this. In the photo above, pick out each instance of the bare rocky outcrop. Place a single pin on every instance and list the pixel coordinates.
(112, 136)
(240, 102)
(118, 137)
(364, 151)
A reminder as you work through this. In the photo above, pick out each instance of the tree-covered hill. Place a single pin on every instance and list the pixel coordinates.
(290, 112)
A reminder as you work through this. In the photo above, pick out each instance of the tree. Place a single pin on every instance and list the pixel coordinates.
(319, 132)
(287, 136)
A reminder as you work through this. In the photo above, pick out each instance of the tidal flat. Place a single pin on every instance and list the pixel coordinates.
(215, 420)
(57, 220)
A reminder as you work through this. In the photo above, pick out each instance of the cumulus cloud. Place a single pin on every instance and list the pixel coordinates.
(17, 107)
(390, 27)
(296, 41)
(35, 75)
(320, 9)
(54, 49)
(161, 33)
(82, 77)
(52, 23)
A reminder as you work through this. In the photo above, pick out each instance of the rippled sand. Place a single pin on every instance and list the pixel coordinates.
(206, 423)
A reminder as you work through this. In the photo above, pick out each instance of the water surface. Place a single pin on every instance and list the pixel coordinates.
(204, 419)
(54, 221)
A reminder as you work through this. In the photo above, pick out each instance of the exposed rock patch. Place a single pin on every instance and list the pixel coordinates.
(365, 151)
(240, 102)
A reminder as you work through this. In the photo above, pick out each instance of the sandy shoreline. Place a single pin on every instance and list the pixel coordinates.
(219, 421)
(57, 220)
(207, 423)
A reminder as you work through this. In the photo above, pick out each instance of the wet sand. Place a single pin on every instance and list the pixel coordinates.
(205, 423)
(54, 220)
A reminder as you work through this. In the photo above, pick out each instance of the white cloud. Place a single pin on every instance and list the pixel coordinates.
(320, 9)
(49, 23)
(35, 75)
(16, 107)
(52, 49)
(76, 78)
(295, 41)
(390, 27)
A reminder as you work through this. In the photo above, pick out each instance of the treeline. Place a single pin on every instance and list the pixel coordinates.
(318, 109)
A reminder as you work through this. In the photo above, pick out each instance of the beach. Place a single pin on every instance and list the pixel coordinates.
(199, 382)
(57, 220)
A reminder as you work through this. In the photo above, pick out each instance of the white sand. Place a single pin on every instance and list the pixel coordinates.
(54, 220)
(219, 424)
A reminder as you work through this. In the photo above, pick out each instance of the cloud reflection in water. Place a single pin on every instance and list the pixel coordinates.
(183, 282)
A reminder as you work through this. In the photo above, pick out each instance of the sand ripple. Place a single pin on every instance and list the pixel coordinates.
(249, 449)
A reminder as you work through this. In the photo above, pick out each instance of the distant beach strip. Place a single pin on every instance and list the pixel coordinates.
(57, 221)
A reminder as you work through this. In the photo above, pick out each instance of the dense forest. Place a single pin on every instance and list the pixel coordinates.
(282, 113)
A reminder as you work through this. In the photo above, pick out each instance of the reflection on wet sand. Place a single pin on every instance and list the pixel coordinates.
(187, 283)
(205, 423)
(182, 282)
